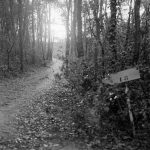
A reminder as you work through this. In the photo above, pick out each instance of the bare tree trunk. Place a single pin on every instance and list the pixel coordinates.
(95, 12)
(39, 20)
(137, 36)
(79, 25)
(41, 39)
(20, 10)
(46, 21)
(112, 31)
(8, 55)
(145, 44)
(49, 36)
(128, 27)
(11, 3)
(84, 37)
(102, 45)
(68, 4)
(73, 31)
(33, 34)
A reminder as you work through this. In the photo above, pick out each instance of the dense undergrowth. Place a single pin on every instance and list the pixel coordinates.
(13, 72)
(63, 115)
(103, 114)
(92, 115)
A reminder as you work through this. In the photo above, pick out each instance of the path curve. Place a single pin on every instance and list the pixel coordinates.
(16, 92)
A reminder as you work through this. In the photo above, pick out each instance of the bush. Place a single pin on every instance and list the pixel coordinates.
(102, 108)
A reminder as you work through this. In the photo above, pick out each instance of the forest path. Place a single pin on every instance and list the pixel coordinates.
(14, 93)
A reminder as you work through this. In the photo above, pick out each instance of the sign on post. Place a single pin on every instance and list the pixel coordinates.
(122, 76)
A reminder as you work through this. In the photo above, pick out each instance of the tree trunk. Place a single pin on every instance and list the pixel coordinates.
(112, 31)
(73, 31)
(33, 34)
(49, 36)
(26, 40)
(20, 10)
(137, 36)
(128, 28)
(79, 23)
(41, 38)
(145, 35)
(95, 12)
(84, 37)
(68, 4)
(102, 45)
(46, 21)
(11, 3)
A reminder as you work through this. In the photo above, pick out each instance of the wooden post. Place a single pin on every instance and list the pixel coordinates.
(129, 109)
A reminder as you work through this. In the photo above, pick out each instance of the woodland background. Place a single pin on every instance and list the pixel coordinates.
(102, 37)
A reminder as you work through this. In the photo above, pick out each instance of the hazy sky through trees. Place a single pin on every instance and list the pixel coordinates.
(57, 24)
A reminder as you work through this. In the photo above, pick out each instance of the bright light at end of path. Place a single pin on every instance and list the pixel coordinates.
(57, 24)
(58, 31)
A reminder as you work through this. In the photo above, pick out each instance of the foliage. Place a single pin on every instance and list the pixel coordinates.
(84, 107)
(34, 49)
(44, 123)
(102, 110)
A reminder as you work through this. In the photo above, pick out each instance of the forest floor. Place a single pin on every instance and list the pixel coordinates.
(36, 113)
(21, 100)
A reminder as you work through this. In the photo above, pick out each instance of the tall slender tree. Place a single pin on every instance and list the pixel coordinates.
(68, 5)
(97, 22)
(33, 33)
(79, 29)
(49, 35)
(20, 11)
(73, 29)
(145, 44)
(137, 36)
(128, 27)
(112, 30)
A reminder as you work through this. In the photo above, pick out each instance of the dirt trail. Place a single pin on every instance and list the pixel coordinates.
(15, 93)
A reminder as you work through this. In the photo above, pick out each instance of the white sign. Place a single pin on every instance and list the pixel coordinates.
(122, 76)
